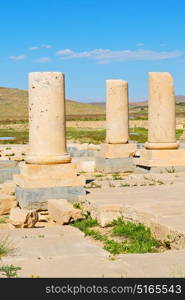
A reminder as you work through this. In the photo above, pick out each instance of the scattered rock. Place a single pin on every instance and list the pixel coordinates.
(62, 212)
(94, 147)
(42, 217)
(7, 202)
(23, 218)
(105, 214)
(86, 166)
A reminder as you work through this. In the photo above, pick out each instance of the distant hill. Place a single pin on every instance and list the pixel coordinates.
(179, 99)
(14, 106)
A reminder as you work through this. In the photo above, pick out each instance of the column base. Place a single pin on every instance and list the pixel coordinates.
(37, 183)
(161, 158)
(117, 150)
(37, 198)
(114, 165)
(48, 159)
(158, 146)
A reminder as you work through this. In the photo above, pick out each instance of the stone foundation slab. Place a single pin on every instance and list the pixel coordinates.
(4, 164)
(46, 176)
(114, 165)
(37, 198)
(8, 173)
(117, 150)
(162, 158)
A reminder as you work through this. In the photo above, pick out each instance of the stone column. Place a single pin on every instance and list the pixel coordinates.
(116, 154)
(117, 112)
(47, 142)
(161, 112)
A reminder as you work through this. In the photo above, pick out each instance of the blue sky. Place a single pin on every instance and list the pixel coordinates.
(91, 41)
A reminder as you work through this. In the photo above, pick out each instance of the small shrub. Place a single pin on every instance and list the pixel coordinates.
(167, 244)
(2, 220)
(77, 205)
(137, 238)
(9, 271)
(116, 176)
(5, 247)
(94, 185)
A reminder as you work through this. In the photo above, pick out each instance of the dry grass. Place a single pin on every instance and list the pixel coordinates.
(14, 106)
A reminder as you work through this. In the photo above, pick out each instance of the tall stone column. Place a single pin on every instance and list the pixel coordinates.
(116, 154)
(161, 112)
(161, 150)
(117, 112)
(47, 172)
(47, 142)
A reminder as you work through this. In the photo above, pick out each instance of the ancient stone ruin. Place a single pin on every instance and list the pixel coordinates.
(116, 153)
(162, 149)
(47, 171)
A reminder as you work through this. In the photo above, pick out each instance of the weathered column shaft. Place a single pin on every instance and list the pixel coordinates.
(47, 142)
(117, 112)
(161, 112)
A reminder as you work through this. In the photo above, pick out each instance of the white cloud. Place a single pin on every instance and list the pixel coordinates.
(17, 58)
(43, 59)
(46, 46)
(38, 47)
(64, 52)
(140, 44)
(105, 56)
(33, 48)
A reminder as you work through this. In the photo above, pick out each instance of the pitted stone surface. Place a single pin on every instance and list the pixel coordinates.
(161, 207)
(64, 252)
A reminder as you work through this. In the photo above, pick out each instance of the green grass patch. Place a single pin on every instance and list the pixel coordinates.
(138, 134)
(10, 271)
(179, 132)
(141, 240)
(133, 238)
(81, 135)
(77, 205)
(85, 224)
(86, 135)
(2, 220)
(21, 136)
(116, 176)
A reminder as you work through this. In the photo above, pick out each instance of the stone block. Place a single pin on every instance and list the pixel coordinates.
(75, 152)
(6, 203)
(47, 176)
(162, 158)
(62, 212)
(114, 165)
(42, 217)
(37, 198)
(4, 164)
(23, 218)
(86, 166)
(105, 214)
(117, 150)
